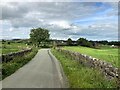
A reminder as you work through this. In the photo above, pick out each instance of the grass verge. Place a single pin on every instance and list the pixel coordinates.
(80, 76)
(16, 63)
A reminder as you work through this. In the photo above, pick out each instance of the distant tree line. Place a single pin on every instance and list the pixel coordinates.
(41, 37)
(81, 42)
(87, 43)
(105, 42)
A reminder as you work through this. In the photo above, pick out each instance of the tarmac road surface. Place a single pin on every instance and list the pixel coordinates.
(43, 71)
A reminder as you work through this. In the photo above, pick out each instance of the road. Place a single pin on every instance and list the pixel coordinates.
(43, 71)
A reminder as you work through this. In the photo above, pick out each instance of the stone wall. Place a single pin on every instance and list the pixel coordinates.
(10, 56)
(109, 70)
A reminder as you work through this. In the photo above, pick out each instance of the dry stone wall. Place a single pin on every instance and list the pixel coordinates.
(105, 67)
(10, 56)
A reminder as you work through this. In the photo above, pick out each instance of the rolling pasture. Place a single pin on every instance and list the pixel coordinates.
(105, 53)
(12, 47)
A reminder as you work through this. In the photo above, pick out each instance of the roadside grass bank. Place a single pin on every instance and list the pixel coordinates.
(12, 66)
(105, 53)
(80, 76)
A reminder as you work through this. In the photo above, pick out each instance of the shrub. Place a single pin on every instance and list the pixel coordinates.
(8, 42)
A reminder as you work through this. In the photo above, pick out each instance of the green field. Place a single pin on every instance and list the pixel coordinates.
(105, 53)
(12, 47)
(80, 76)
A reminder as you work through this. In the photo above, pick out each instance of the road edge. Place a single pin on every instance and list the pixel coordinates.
(62, 76)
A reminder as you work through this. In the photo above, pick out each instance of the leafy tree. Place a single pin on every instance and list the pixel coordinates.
(81, 41)
(39, 35)
(69, 41)
(84, 42)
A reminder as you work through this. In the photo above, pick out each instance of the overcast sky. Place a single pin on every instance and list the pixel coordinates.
(91, 20)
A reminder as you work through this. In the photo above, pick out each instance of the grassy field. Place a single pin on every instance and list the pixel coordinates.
(105, 53)
(12, 47)
(80, 76)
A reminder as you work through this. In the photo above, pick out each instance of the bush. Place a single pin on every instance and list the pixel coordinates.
(8, 42)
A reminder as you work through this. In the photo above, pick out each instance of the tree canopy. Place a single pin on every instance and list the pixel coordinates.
(69, 41)
(39, 35)
(84, 42)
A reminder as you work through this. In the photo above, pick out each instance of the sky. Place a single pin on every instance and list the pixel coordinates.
(90, 20)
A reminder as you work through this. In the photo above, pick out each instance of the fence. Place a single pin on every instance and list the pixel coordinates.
(10, 56)
(106, 68)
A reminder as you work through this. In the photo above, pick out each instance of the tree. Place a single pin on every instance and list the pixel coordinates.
(81, 41)
(84, 42)
(69, 41)
(39, 35)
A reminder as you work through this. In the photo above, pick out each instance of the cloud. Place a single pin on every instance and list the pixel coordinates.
(61, 24)
(49, 10)
(63, 19)
(12, 10)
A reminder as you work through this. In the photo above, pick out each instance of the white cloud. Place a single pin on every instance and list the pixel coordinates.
(59, 18)
(61, 24)
(11, 29)
(16, 37)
